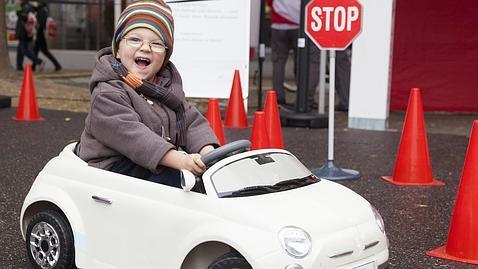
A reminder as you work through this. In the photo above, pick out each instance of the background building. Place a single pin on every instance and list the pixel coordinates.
(403, 44)
(81, 24)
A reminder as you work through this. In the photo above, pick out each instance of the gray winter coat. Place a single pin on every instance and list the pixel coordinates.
(121, 122)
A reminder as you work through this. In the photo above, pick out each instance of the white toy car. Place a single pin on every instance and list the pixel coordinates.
(259, 209)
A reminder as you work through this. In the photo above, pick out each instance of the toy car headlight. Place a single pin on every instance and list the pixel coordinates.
(378, 219)
(295, 241)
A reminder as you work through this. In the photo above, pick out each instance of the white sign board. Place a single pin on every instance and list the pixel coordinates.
(211, 40)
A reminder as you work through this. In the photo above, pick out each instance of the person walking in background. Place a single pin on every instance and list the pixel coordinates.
(342, 78)
(284, 34)
(24, 32)
(42, 13)
(285, 19)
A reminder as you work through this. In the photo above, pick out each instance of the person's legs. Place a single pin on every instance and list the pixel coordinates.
(27, 52)
(314, 73)
(293, 35)
(42, 46)
(32, 57)
(168, 176)
(127, 167)
(342, 79)
(280, 53)
(20, 55)
(36, 50)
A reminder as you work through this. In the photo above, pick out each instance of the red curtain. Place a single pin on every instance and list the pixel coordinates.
(435, 48)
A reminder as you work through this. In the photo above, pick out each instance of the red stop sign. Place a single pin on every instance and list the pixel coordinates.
(333, 24)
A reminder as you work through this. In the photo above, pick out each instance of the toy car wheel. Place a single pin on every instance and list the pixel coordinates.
(231, 260)
(49, 241)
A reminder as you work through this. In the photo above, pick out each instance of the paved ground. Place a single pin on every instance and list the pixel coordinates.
(417, 218)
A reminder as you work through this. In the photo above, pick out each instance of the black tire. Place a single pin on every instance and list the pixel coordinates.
(231, 260)
(50, 238)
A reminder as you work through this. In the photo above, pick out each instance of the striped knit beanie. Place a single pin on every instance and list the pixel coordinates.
(154, 15)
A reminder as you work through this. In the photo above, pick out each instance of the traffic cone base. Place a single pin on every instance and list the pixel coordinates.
(24, 119)
(441, 253)
(433, 182)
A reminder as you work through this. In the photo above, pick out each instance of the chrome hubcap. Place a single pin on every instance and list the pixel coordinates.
(44, 245)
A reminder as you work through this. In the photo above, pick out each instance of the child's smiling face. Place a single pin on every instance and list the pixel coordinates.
(141, 61)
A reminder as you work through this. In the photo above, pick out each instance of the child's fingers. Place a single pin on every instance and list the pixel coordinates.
(198, 161)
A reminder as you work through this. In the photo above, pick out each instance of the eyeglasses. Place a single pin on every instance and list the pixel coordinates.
(155, 46)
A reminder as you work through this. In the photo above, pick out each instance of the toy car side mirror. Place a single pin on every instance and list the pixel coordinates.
(188, 180)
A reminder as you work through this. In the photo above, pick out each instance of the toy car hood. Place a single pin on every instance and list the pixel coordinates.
(332, 200)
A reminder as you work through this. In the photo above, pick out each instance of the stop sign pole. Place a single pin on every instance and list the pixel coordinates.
(333, 25)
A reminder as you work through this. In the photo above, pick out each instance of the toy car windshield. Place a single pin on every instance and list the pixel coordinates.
(261, 174)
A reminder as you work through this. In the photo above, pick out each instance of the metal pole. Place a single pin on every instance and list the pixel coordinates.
(303, 64)
(262, 52)
(98, 25)
(329, 170)
(117, 9)
(331, 104)
(323, 59)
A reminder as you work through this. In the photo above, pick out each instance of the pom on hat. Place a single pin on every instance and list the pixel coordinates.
(153, 15)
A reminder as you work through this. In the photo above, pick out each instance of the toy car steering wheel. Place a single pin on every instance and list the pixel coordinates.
(229, 149)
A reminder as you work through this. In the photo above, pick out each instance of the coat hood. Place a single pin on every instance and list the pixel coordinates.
(102, 71)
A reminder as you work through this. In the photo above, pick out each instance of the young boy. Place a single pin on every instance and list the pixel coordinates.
(139, 116)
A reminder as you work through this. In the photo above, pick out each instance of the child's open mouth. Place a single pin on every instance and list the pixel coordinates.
(142, 62)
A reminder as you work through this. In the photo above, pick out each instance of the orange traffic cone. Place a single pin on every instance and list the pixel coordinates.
(412, 166)
(462, 244)
(27, 109)
(274, 129)
(236, 114)
(213, 115)
(259, 138)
